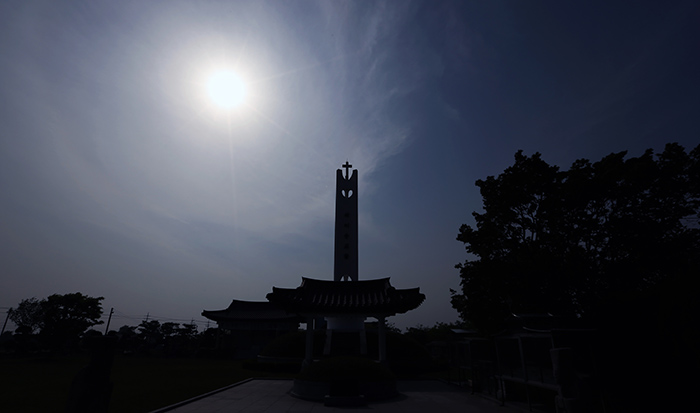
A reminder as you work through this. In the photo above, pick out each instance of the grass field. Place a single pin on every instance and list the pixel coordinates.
(141, 384)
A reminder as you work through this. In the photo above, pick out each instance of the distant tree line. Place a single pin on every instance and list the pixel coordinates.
(171, 339)
(59, 322)
(439, 332)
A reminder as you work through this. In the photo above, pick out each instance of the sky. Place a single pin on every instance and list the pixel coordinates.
(121, 178)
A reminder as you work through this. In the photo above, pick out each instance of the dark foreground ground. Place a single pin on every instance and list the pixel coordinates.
(141, 384)
(419, 396)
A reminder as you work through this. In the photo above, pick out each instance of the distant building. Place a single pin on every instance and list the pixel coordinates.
(247, 326)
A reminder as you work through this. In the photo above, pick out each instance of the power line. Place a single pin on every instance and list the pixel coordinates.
(127, 318)
(118, 315)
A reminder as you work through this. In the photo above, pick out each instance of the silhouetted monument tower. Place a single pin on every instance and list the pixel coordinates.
(345, 263)
(345, 303)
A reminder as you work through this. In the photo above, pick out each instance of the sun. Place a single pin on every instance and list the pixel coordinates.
(225, 89)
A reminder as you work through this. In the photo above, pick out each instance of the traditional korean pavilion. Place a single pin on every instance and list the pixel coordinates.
(344, 303)
(250, 325)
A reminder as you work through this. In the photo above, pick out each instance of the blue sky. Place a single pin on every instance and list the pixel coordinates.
(119, 177)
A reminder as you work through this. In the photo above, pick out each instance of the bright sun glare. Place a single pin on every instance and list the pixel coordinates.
(226, 89)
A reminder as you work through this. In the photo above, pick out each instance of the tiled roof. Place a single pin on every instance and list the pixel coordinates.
(370, 297)
(249, 310)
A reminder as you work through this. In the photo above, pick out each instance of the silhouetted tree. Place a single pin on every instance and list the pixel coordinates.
(187, 330)
(185, 339)
(168, 329)
(27, 316)
(127, 331)
(208, 339)
(60, 318)
(439, 332)
(150, 334)
(67, 316)
(566, 241)
(128, 339)
(150, 328)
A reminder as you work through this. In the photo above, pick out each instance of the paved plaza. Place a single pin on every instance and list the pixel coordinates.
(264, 395)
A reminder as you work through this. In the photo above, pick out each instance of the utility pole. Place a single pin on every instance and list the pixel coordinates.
(111, 311)
(6, 318)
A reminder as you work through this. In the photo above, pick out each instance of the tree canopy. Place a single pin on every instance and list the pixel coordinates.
(563, 242)
(69, 315)
(59, 317)
(27, 316)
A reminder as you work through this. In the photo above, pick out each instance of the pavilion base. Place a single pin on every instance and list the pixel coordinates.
(344, 401)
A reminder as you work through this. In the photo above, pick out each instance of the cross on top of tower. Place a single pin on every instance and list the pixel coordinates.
(347, 167)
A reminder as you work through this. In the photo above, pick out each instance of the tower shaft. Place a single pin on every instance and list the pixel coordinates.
(346, 251)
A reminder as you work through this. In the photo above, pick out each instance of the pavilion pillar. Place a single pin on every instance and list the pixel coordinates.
(309, 354)
(382, 339)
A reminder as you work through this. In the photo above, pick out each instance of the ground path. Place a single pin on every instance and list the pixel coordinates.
(265, 395)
